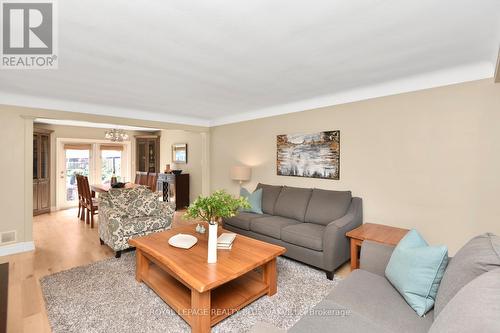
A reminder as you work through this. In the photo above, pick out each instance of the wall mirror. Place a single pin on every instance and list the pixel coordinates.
(179, 153)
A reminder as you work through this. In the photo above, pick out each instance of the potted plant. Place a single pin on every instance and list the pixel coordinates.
(211, 209)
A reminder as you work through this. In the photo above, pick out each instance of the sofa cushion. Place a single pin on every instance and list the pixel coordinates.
(327, 206)
(474, 308)
(242, 220)
(292, 203)
(271, 226)
(416, 269)
(328, 316)
(374, 298)
(481, 254)
(308, 235)
(270, 194)
(254, 199)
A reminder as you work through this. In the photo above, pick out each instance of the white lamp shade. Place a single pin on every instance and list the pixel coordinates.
(241, 173)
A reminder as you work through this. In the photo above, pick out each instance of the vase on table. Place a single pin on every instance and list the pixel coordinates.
(212, 242)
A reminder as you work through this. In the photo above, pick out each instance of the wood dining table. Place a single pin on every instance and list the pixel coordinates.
(104, 188)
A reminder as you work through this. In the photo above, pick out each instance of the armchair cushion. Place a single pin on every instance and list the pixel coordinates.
(120, 199)
(144, 205)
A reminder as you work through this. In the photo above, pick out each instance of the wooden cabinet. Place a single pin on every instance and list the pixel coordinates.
(175, 188)
(41, 172)
(148, 154)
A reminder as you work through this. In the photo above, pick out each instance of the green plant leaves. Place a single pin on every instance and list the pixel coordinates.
(216, 206)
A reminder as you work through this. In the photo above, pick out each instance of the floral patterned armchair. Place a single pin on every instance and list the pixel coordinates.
(131, 213)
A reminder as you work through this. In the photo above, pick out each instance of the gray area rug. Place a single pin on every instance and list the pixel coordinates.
(105, 297)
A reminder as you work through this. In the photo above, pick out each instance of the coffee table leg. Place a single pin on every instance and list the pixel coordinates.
(270, 277)
(200, 304)
(142, 265)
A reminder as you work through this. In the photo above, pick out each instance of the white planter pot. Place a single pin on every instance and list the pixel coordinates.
(212, 243)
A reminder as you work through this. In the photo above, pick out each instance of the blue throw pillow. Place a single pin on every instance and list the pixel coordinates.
(255, 200)
(416, 269)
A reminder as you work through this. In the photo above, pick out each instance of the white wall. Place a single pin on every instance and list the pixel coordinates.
(428, 160)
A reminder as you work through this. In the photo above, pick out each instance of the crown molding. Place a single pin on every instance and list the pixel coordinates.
(497, 69)
(472, 72)
(96, 109)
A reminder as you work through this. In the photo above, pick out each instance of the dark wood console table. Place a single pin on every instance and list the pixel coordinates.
(175, 189)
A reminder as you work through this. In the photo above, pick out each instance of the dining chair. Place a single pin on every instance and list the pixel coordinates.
(141, 178)
(151, 181)
(81, 198)
(90, 201)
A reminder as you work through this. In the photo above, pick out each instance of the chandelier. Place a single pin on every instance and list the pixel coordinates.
(116, 135)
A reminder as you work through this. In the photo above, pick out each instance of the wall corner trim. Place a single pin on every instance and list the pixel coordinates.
(497, 68)
(16, 248)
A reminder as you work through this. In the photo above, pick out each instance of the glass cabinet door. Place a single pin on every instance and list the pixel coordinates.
(152, 156)
(35, 156)
(141, 156)
(147, 155)
(44, 157)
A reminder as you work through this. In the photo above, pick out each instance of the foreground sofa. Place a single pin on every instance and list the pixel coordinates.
(130, 213)
(310, 223)
(468, 298)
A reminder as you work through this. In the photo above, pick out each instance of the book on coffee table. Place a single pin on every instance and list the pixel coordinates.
(225, 241)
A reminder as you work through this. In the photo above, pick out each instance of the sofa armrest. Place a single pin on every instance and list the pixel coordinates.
(167, 209)
(335, 243)
(375, 257)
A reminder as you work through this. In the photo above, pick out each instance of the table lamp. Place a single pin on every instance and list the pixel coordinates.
(241, 173)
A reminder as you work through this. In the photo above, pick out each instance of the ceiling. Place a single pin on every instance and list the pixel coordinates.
(220, 61)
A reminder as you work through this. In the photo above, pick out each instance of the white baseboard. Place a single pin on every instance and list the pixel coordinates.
(16, 248)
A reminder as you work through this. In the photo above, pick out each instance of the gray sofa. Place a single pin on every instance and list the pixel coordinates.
(310, 223)
(468, 298)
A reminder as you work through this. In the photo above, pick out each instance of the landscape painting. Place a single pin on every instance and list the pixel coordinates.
(315, 155)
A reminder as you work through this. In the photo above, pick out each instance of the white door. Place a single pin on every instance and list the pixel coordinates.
(75, 159)
(111, 160)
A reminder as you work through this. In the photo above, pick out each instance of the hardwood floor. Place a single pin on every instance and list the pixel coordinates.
(62, 242)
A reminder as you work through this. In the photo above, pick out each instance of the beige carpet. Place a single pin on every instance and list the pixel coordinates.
(105, 297)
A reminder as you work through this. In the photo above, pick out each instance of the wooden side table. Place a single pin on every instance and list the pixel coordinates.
(374, 232)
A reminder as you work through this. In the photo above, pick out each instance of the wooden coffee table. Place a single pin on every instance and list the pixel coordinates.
(375, 232)
(204, 294)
